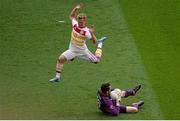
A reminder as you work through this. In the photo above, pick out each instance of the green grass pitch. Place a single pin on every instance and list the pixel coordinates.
(142, 47)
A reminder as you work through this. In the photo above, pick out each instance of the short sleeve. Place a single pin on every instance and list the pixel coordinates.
(74, 21)
(88, 34)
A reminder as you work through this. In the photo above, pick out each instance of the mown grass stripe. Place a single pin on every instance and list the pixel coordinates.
(132, 55)
(153, 105)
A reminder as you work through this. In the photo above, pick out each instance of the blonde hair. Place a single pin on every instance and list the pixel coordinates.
(81, 16)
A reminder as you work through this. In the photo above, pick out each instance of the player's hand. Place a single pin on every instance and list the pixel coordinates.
(91, 28)
(78, 6)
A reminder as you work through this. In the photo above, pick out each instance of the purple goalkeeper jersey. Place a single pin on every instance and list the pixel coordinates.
(107, 105)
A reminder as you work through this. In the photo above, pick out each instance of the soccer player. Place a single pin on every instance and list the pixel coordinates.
(110, 106)
(77, 47)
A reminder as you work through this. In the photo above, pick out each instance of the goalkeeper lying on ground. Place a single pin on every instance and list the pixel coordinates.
(109, 100)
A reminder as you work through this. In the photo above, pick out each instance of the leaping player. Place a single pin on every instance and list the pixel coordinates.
(77, 47)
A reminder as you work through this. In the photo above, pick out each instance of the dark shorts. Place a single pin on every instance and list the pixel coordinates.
(122, 109)
(116, 110)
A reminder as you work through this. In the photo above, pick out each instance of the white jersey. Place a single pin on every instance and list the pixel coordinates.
(79, 36)
(77, 46)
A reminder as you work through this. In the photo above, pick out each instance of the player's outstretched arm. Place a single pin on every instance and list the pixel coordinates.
(93, 37)
(74, 11)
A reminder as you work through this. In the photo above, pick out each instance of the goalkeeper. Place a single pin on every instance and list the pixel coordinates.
(112, 107)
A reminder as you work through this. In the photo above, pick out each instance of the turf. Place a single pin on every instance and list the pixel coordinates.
(156, 29)
(31, 38)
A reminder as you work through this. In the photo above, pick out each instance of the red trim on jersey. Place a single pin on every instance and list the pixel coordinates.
(76, 28)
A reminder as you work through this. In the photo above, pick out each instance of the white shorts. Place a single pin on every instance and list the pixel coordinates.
(84, 54)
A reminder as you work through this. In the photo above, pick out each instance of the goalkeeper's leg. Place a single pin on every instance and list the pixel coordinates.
(131, 92)
(131, 109)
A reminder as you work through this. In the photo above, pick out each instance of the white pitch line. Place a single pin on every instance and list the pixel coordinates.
(61, 21)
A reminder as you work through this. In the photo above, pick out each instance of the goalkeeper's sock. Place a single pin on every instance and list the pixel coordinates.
(138, 104)
(129, 93)
(136, 88)
(133, 91)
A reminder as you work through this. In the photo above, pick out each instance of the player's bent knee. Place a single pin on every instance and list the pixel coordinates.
(130, 109)
(62, 59)
(97, 61)
(134, 110)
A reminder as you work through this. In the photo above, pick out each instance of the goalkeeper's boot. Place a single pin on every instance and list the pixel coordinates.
(55, 79)
(136, 88)
(138, 104)
(102, 39)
